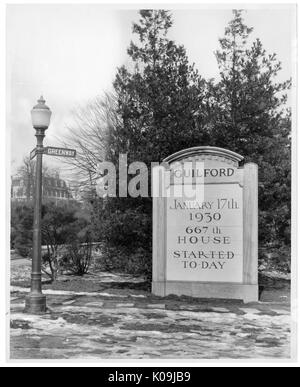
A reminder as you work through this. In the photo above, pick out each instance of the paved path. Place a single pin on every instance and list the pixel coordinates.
(134, 325)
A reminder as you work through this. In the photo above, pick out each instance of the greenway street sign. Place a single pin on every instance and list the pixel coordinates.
(53, 151)
(62, 152)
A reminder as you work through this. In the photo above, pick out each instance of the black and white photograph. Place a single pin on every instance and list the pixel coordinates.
(150, 176)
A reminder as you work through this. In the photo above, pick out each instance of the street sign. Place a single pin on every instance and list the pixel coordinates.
(33, 154)
(62, 152)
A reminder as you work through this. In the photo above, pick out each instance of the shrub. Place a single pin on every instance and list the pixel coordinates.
(275, 258)
(77, 259)
(122, 259)
(126, 239)
(21, 228)
(60, 225)
(23, 245)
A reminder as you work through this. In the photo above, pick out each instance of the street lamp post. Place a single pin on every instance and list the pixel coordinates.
(36, 300)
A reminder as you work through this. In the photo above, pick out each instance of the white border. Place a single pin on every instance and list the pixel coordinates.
(5, 176)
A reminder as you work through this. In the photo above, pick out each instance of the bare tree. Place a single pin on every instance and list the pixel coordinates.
(27, 173)
(88, 135)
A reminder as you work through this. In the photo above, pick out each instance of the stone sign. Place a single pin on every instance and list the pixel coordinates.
(205, 226)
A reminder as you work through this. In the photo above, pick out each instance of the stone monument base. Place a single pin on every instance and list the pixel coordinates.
(237, 291)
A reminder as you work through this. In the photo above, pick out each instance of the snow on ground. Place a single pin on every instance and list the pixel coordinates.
(127, 323)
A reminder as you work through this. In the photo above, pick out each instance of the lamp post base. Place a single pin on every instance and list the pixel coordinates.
(35, 303)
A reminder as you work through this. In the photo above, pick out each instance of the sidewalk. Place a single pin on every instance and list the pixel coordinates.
(124, 322)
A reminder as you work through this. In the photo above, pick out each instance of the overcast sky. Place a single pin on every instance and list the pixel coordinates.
(69, 53)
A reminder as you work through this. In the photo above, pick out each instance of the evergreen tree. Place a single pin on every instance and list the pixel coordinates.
(248, 116)
(160, 99)
(158, 102)
(165, 106)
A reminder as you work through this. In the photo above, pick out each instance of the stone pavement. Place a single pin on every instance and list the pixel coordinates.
(132, 324)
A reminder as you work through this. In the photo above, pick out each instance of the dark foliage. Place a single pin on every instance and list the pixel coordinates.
(165, 106)
(63, 228)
